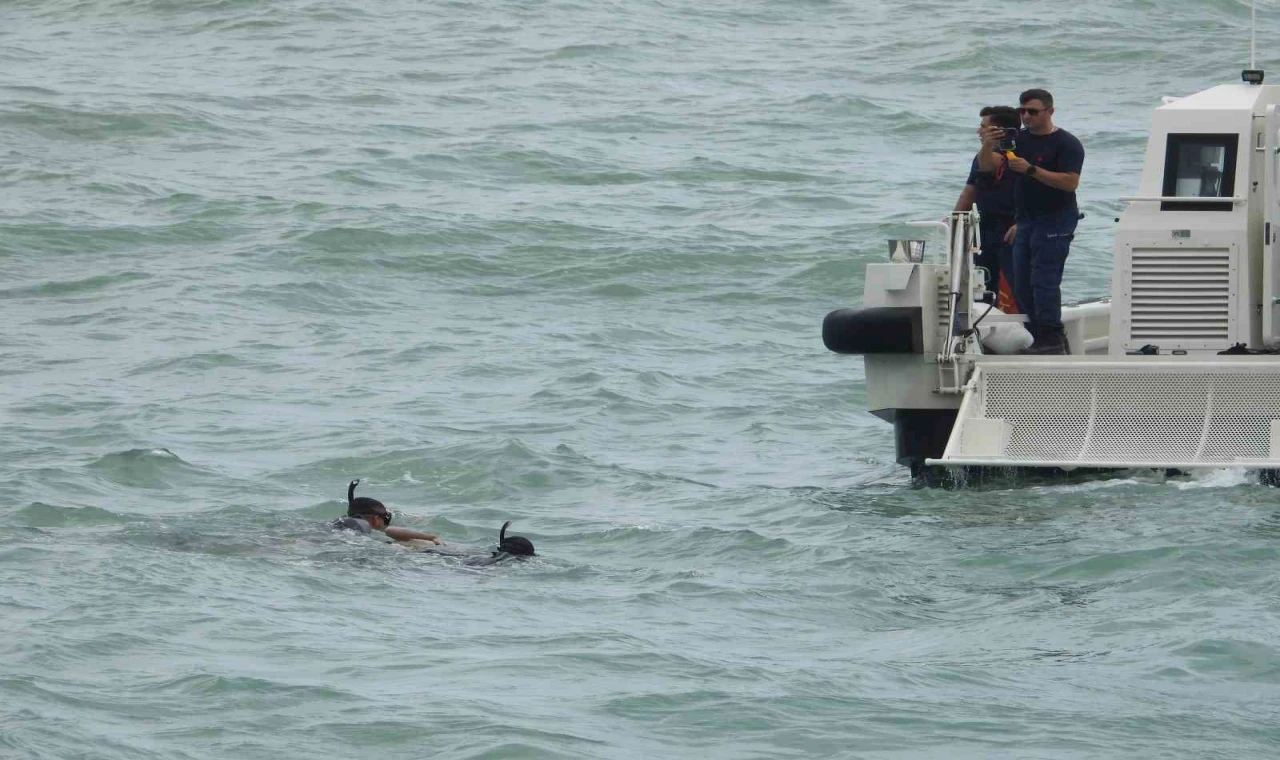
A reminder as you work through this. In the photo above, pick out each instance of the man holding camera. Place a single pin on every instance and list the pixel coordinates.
(1047, 163)
(992, 192)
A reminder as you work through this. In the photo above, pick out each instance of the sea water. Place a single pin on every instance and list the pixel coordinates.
(565, 264)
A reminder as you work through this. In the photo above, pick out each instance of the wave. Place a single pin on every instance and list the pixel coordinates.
(157, 468)
(87, 285)
(40, 515)
(70, 124)
(70, 239)
(201, 364)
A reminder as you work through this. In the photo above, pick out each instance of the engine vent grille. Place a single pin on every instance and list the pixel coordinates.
(1180, 297)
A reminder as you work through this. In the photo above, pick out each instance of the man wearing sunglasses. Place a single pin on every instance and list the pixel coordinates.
(365, 515)
(1047, 162)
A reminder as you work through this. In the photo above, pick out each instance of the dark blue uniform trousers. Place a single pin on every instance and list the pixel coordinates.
(1040, 250)
(996, 255)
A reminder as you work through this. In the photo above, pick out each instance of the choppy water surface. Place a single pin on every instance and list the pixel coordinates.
(565, 264)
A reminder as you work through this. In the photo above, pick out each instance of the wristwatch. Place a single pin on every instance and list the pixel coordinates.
(1031, 170)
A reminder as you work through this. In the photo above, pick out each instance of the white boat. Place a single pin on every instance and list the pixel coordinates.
(1146, 385)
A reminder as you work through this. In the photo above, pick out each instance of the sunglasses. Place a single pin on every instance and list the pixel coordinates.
(1031, 111)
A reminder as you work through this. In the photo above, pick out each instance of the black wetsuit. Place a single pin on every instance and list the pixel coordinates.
(492, 559)
(352, 523)
(470, 556)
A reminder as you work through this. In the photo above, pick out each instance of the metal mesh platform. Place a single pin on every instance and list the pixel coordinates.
(1142, 413)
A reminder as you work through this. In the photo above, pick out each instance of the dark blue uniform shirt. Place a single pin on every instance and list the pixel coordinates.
(992, 191)
(1058, 151)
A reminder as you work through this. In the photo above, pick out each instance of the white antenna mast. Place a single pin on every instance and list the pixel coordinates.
(1252, 75)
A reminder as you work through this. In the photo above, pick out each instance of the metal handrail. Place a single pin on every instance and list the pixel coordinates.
(1183, 198)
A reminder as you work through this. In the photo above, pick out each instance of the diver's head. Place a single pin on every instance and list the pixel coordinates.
(366, 508)
(518, 546)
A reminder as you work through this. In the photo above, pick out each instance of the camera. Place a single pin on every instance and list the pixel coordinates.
(1009, 141)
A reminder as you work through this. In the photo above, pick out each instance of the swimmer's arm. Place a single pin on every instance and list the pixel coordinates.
(407, 534)
(416, 543)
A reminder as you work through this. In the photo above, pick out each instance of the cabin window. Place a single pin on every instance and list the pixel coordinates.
(1199, 166)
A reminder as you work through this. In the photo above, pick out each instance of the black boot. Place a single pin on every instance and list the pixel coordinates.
(1049, 340)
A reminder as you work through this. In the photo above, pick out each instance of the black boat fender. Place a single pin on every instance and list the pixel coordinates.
(874, 330)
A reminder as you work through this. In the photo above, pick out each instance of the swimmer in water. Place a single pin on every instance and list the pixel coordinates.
(516, 546)
(365, 515)
(508, 547)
